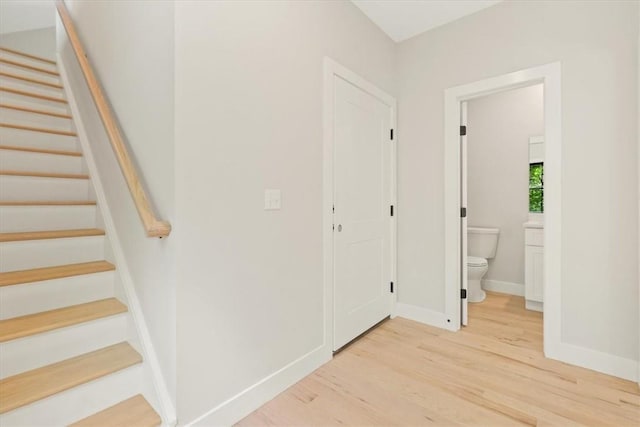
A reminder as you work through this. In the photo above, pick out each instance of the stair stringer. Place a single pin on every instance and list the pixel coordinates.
(155, 387)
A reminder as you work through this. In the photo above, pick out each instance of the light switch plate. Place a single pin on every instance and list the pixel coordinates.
(271, 200)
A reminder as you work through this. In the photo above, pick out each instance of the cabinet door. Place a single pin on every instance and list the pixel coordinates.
(534, 273)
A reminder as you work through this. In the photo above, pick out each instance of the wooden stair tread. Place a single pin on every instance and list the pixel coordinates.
(33, 94)
(31, 324)
(30, 80)
(31, 386)
(35, 129)
(45, 174)
(27, 55)
(133, 412)
(49, 273)
(35, 110)
(29, 67)
(40, 150)
(52, 234)
(47, 203)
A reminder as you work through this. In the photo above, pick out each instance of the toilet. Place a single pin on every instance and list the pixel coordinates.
(481, 246)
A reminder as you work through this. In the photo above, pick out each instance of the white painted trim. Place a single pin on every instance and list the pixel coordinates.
(331, 69)
(503, 287)
(638, 136)
(243, 403)
(422, 315)
(550, 76)
(591, 359)
(167, 408)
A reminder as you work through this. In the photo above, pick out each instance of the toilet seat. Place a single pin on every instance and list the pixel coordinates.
(473, 261)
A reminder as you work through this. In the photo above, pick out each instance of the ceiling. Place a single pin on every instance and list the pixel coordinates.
(403, 19)
(22, 15)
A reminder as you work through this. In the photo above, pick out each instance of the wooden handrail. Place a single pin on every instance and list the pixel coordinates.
(154, 227)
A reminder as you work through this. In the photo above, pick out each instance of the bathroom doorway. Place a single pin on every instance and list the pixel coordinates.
(457, 217)
(502, 189)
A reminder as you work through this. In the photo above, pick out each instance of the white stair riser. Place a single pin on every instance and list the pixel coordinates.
(31, 87)
(32, 102)
(79, 402)
(30, 298)
(14, 219)
(26, 60)
(14, 188)
(13, 69)
(49, 253)
(8, 115)
(39, 162)
(26, 138)
(39, 350)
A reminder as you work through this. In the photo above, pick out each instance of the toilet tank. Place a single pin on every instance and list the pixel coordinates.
(482, 242)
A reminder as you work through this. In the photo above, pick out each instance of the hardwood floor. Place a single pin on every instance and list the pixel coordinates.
(491, 373)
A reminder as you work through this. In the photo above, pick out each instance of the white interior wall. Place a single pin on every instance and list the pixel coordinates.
(498, 130)
(249, 85)
(40, 42)
(596, 43)
(137, 75)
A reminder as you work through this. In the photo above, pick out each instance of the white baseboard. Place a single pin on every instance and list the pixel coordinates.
(503, 287)
(595, 360)
(242, 404)
(423, 315)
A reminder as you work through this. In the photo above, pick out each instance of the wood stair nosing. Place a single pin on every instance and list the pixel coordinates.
(44, 174)
(47, 203)
(21, 277)
(135, 411)
(52, 234)
(30, 80)
(31, 386)
(32, 324)
(29, 67)
(27, 55)
(32, 95)
(36, 111)
(35, 129)
(41, 151)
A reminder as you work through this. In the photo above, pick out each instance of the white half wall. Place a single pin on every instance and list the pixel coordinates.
(596, 43)
(130, 46)
(498, 130)
(249, 91)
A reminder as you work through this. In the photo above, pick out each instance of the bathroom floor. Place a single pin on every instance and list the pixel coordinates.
(492, 372)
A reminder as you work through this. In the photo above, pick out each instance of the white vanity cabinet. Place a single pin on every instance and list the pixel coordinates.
(533, 266)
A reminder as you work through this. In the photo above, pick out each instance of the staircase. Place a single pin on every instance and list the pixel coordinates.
(67, 354)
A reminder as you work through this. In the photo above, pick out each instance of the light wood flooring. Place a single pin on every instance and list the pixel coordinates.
(491, 373)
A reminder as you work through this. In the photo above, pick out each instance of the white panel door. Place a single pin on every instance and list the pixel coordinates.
(464, 275)
(362, 220)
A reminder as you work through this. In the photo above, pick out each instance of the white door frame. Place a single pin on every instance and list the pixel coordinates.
(550, 76)
(331, 69)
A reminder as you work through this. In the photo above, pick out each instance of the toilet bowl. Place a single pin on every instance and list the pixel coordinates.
(476, 269)
(482, 245)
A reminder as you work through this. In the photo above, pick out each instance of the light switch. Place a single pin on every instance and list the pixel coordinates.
(271, 200)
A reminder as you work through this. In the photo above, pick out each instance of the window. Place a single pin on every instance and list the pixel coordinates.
(536, 187)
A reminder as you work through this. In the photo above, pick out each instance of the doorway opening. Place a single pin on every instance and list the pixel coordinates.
(502, 189)
(547, 77)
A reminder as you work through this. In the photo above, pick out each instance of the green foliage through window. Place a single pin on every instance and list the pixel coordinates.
(536, 187)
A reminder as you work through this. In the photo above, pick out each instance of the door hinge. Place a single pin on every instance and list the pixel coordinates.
(333, 209)
(463, 212)
(392, 134)
(391, 210)
(391, 287)
(463, 130)
(463, 293)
